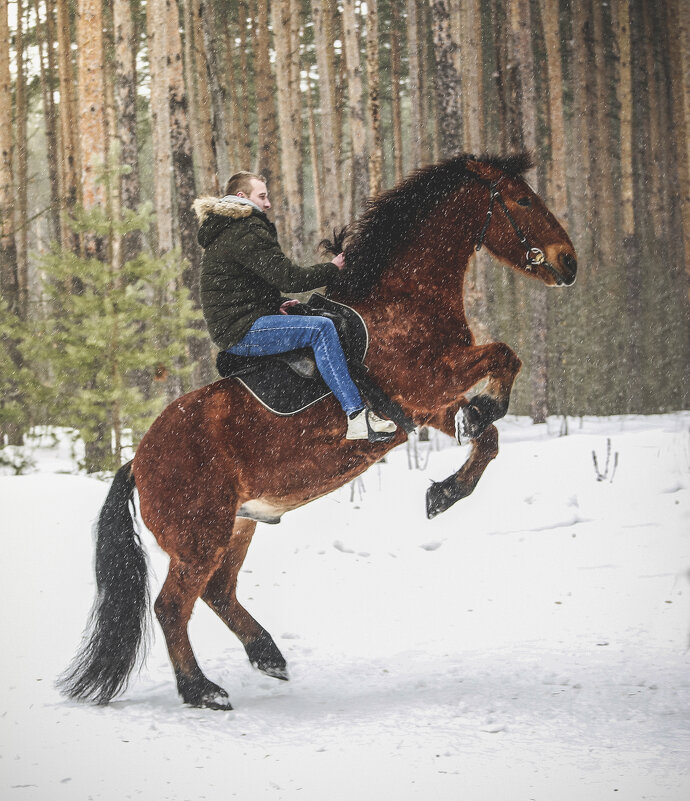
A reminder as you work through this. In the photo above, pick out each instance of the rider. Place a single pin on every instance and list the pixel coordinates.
(243, 271)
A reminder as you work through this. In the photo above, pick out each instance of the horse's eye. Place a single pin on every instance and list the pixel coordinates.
(525, 201)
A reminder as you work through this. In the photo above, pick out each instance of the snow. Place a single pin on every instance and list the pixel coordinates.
(529, 643)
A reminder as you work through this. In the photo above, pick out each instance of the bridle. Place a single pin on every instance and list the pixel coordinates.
(534, 256)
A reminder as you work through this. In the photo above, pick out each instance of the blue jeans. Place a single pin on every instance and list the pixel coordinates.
(278, 333)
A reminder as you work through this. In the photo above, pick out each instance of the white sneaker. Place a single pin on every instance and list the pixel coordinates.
(366, 425)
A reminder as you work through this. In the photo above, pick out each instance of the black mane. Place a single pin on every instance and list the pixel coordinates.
(392, 217)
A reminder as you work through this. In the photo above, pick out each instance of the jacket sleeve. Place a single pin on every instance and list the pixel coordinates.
(259, 252)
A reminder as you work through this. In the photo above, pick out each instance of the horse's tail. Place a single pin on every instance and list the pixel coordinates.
(116, 631)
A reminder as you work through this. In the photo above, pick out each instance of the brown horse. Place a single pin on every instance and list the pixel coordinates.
(216, 461)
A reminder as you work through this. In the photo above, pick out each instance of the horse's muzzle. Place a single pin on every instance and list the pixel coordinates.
(568, 268)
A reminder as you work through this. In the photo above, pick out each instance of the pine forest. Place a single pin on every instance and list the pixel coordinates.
(115, 116)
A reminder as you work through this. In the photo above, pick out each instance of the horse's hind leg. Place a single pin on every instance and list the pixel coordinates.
(221, 595)
(174, 605)
(441, 495)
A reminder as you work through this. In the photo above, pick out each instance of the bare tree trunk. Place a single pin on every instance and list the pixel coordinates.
(472, 69)
(678, 14)
(70, 161)
(269, 162)
(290, 137)
(202, 116)
(447, 84)
(9, 289)
(21, 157)
(245, 150)
(416, 135)
(45, 36)
(556, 190)
(160, 124)
(332, 214)
(211, 38)
(374, 103)
(126, 97)
(358, 137)
(92, 123)
(319, 210)
(396, 77)
(500, 42)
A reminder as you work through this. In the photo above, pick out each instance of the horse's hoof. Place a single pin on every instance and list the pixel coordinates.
(264, 655)
(199, 692)
(441, 495)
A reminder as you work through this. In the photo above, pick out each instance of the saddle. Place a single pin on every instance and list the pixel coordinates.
(290, 382)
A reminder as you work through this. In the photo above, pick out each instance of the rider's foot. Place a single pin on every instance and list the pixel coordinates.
(366, 425)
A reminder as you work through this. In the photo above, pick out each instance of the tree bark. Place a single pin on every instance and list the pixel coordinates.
(358, 137)
(374, 101)
(290, 136)
(70, 161)
(267, 116)
(332, 213)
(471, 75)
(447, 80)
(9, 288)
(416, 136)
(396, 78)
(160, 124)
(21, 160)
(126, 99)
(92, 123)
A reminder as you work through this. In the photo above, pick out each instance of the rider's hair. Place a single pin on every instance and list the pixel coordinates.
(242, 182)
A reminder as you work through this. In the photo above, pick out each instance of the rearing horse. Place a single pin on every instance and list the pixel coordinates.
(216, 461)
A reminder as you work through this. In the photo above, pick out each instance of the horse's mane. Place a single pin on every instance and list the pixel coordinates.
(391, 218)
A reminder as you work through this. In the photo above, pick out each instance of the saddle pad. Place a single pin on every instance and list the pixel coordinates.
(271, 379)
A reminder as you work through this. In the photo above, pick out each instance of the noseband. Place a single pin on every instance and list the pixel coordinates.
(534, 256)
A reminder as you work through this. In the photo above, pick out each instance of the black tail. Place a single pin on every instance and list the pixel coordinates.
(116, 630)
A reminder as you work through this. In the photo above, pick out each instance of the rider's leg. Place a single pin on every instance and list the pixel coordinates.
(278, 333)
(274, 334)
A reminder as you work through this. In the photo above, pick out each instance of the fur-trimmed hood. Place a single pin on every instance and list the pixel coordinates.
(215, 213)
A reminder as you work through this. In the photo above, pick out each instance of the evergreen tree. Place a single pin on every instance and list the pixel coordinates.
(99, 339)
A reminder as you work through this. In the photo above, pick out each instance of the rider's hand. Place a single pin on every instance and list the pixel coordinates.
(339, 261)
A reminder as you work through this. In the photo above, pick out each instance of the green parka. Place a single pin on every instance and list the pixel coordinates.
(243, 269)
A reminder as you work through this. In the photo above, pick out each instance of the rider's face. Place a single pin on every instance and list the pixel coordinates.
(259, 194)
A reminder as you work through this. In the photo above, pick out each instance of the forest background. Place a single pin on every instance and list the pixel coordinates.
(114, 117)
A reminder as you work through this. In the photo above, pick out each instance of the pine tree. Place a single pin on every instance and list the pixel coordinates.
(97, 342)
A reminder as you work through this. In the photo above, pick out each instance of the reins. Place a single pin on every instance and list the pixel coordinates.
(534, 256)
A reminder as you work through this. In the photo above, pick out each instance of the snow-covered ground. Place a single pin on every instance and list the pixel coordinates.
(530, 643)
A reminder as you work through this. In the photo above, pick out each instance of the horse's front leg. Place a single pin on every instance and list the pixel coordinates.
(441, 495)
(497, 364)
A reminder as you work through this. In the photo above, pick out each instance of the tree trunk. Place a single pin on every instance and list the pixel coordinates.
(447, 83)
(678, 15)
(21, 159)
(244, 99)
(290, 137)
(45, 36)
(374, 102)
(472, 84)
(92, 124)
(332, 214)
(211, 38)
(416, 136)
(160, 124)
(319, 210)
(500, 44)
(9, 289)
(358, 138)
(269, 162)
(126, 98)
(71, 185)
(396, 77)
(201, 118)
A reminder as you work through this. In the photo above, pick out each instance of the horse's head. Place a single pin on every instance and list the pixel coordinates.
(518, 228)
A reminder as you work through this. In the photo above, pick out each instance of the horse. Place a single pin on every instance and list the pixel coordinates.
(216, 462)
